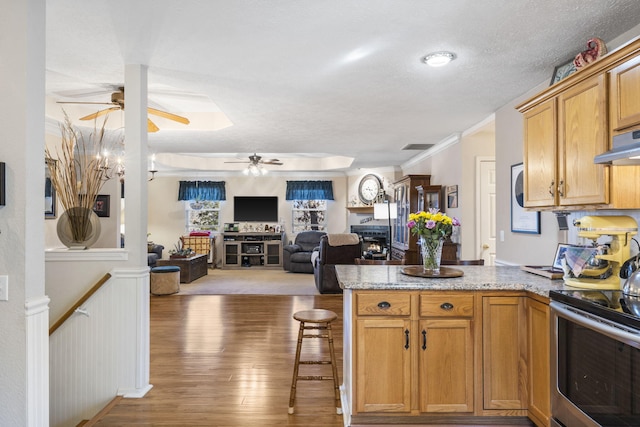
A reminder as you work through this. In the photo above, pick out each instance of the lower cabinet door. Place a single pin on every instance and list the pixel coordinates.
(504, 353)
(446, 365)
(383, 368)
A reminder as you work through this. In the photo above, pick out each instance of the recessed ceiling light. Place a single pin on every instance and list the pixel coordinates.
(438, 59)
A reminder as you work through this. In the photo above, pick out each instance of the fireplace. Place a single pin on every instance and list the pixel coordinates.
(374, 240)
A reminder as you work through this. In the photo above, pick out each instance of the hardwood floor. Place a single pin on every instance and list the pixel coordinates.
(227, 360)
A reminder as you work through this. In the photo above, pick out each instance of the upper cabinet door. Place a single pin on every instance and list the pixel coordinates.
(583, 134)
(540, 155)
(625, 95)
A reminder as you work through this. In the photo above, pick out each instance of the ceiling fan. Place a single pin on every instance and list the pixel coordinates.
(256, 160)
(256, 163)
(117, 99)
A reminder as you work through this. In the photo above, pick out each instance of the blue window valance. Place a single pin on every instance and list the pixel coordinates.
(309, 190)
(202, 190)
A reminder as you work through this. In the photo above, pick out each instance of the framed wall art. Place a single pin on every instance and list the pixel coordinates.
(452, 196)
(101, 207)
(522, 221)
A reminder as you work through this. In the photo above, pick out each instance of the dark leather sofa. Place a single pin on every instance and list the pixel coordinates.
(154, 253)
(296, 258)
(335, 249)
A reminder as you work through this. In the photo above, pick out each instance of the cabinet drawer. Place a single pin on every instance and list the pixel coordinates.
(376, 304)
(443, 305)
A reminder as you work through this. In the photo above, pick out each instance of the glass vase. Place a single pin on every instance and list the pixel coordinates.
(431, 251)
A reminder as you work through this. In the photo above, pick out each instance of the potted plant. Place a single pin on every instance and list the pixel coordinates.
(78, 171)
(179, 251)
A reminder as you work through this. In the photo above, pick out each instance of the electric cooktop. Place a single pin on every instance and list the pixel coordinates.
(611, 305)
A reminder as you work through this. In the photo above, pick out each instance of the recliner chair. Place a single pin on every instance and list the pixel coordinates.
(335, 249)
(296, 258)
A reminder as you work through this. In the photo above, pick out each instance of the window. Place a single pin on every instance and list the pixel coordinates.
(202, 215)
(309, 215)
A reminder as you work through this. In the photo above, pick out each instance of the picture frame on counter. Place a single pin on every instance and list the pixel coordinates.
(522, 221)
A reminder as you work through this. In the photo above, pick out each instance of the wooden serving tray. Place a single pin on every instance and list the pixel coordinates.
(418, 271)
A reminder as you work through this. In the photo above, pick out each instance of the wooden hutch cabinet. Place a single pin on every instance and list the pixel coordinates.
(411, 193)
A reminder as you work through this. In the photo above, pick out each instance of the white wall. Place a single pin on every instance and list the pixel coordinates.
(24, 350)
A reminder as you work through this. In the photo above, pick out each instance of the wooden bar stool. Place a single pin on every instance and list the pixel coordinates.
(321, 320)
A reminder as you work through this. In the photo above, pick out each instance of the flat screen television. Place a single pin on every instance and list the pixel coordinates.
(255, 208)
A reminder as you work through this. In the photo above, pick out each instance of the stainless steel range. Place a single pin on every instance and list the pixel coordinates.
(595, 358)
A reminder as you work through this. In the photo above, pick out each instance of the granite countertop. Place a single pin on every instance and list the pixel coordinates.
(386, 277)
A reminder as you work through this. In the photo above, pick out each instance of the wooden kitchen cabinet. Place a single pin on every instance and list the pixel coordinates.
(383, 374)
(540, 159)
(423, 355)
(538, 357)
(624, 105)
(445, 352)
(504, 356)
(562, 136)
(582, 135)
(572, 121)
(383, 352)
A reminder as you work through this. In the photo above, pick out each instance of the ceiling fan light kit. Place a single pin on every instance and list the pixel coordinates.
(256, 163)
(438, 59)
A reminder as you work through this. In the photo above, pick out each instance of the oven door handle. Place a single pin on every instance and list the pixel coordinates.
(602, 326)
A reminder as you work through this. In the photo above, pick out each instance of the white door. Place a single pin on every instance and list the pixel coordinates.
(487, 206)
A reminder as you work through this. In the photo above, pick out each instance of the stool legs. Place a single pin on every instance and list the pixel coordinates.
(334, 366)
(324, 326)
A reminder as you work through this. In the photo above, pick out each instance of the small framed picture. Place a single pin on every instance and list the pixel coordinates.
(557, 261)
(452, 196)
(562, 71)
(101, 207)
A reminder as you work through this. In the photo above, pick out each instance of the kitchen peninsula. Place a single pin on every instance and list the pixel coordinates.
(421, 350)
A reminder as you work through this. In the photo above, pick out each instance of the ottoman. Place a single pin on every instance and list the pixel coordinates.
(165, 280)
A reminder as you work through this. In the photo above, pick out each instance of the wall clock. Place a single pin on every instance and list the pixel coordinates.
(369, 188)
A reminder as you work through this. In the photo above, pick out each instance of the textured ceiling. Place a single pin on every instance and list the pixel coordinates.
(334, 78)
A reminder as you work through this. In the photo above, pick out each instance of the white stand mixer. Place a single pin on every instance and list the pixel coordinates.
(621, 229)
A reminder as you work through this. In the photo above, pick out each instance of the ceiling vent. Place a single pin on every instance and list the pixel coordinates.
(417, 147)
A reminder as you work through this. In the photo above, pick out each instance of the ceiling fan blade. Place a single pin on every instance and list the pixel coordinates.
(237, 162)
(271, 162)
(81, 102)
(99, 113)
(169, 116)
(151, 127)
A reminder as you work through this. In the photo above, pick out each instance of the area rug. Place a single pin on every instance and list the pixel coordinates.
(251, 281)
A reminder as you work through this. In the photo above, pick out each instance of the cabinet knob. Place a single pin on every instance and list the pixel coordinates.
(446, 306)
(485, 246)
(551, 189)
(384, 305)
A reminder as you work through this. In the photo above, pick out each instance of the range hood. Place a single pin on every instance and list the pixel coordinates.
(625, 151)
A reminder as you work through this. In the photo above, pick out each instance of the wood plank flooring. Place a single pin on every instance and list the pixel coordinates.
(227, 360)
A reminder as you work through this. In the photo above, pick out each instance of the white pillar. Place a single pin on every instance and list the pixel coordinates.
(136, 194)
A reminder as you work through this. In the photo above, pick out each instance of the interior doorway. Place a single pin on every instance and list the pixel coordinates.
(486, 220)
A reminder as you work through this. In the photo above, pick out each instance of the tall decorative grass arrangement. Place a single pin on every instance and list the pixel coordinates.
(78, 172)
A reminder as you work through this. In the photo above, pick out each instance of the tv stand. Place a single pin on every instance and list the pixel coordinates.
(251, 249)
